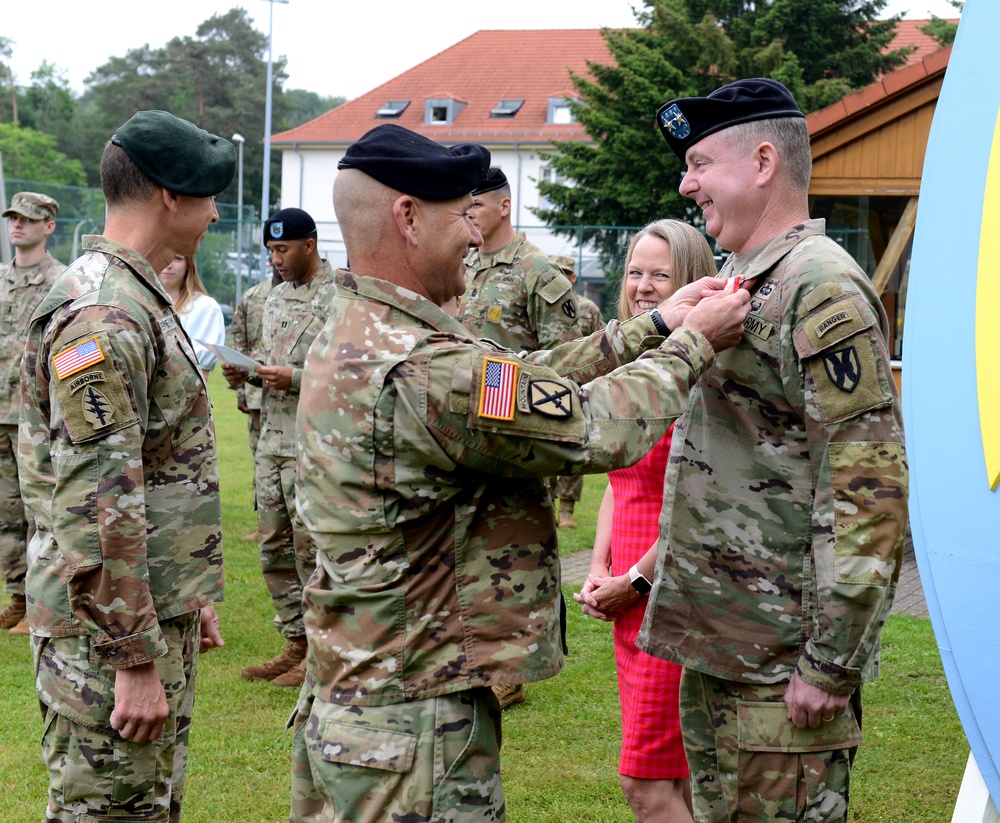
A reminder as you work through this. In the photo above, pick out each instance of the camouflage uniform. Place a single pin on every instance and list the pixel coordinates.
(589, 320)
(248, 322)
(518, 298)
(117, 460)
(293, 316)
(782, 529)
(437, 571)
(19, 297)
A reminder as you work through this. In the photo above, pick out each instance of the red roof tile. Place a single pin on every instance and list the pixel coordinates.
(481, 70)
(908, 34)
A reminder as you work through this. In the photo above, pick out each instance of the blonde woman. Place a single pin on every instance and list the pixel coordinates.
(200, 314)
(653, 771)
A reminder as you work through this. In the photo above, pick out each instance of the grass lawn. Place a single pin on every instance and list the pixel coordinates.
(560, 747)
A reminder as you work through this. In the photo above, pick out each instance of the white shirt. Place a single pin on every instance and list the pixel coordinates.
(202, 320)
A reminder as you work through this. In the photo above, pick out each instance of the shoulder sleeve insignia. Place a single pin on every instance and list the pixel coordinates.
(569, 308)
(552, 399)
(843, 368)
(77, 357)
(499, 382)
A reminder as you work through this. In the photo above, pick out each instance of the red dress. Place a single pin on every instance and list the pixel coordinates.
(651, 734)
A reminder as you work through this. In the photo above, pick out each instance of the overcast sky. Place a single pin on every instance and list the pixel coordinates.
(332, 47)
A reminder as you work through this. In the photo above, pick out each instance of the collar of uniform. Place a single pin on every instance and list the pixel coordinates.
(408, 302)
(505, 256)
(762, 258)
(131, 258)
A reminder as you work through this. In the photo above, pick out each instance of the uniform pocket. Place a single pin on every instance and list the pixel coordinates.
(371, 748)
(765, 727)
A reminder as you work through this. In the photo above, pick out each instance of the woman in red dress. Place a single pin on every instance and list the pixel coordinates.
(653, 771)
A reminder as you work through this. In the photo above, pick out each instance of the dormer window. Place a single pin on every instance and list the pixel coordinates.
(393, 108)
(506, 108)
(560, 114)
(441, 111)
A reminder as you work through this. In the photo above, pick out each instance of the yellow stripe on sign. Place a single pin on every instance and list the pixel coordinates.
(988, 316)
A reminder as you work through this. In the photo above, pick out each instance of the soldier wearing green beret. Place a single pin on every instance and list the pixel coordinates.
(422, 452)
(785, 513)
(118, 466)
(24, 281)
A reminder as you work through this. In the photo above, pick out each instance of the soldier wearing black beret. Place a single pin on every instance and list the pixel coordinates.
(777, 560)
(422, 451)
(121, 481)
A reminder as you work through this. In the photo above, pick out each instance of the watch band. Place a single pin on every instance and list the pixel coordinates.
(639, 581)
(658, 321)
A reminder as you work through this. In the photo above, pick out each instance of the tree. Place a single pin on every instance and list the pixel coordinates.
(304, 106)
(32, 155)
(820, 49)
(215, 79)
(8, 87)
(941, 29)
(48, 105)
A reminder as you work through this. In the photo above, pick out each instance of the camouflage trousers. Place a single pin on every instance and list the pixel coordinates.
(94, 775)
(568, 488)
(253, 429)
(14, 531)
(287, 552)
(426, 761)
(749, 762)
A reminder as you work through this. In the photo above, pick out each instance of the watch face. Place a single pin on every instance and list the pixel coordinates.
(641, 584)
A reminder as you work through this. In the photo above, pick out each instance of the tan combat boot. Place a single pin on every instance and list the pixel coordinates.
(14, 613)
(293, 678)
(294, 653)
(507, 696)
(566, 520)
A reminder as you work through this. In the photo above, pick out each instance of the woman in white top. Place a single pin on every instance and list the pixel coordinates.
(200, 314)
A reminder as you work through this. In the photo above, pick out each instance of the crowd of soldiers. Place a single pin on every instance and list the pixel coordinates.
(405, 452)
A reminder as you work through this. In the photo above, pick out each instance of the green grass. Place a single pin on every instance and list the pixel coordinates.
(560, 747)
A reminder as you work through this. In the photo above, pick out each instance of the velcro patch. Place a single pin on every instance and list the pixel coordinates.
(496, 396)
(77, 357)
(757, 326)
(96, 402)
(569, 308)
(818, 296)
(848, 382)
(551, 398)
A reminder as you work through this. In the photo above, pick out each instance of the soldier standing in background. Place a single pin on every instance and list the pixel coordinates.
(24, 281)
(294, 313)
(247, 329)
(421, 456)
(118, 466)
(568, 490)
(784, 516)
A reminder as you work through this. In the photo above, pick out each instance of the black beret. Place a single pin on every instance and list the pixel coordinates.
(495, 179)
(289, 224)
(176, 154)
(685, 121)
(413, 164)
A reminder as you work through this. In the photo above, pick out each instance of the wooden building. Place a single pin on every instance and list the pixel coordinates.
(868, 155)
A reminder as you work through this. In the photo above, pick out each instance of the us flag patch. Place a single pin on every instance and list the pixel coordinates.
(77, 357)
(496, 399)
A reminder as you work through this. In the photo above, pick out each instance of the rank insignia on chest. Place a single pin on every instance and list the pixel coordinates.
(496, 397)
(77, 357)
(494, 313)
(843, 368)
(551, 399)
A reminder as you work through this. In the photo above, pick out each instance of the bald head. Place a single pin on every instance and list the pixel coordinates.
(364, 211)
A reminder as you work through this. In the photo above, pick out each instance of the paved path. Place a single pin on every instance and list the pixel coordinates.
(909, 592)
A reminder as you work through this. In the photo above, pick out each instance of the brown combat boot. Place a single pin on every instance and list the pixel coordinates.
(14, 613)
(507, 696)
(566, 520)
(293, 678)
(21, 629)
(294, 653)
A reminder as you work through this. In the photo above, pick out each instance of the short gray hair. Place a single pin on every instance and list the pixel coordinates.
(789, 135)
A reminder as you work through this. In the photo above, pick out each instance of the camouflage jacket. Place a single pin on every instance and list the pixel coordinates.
(782, 528)
(590, 319)
(293, 316)
(19, 297)
(421, 453)
(247, 326)
(117, 461)
(518, 298)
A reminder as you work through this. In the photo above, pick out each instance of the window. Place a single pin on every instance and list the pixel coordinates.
(560, 113)
(393, 108)
(506, 108)
(547, 174)
(442, 111)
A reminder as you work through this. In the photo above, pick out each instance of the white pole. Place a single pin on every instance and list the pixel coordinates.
(238, 139)
(265, 195)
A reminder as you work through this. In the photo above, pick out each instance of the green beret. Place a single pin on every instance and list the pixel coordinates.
(176, 154)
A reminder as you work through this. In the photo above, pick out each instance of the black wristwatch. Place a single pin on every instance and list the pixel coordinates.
(661, 327)
(638, 580)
